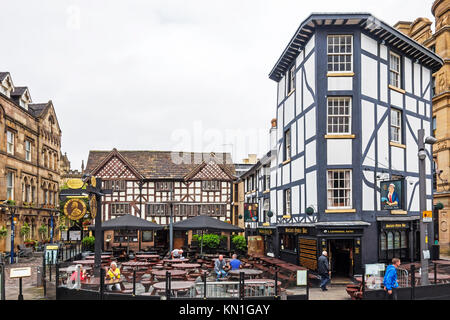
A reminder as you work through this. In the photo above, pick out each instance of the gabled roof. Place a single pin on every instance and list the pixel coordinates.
(37, 109)
(366, 22)
(155, 165)
(20, 91)
(3, 75)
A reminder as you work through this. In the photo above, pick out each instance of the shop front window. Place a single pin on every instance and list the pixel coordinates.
(288, 242)
(393, 244)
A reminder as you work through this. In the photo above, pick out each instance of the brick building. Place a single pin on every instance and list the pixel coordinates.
(30, 151)
(420, 30)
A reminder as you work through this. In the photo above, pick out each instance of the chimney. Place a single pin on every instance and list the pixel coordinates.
(252, 158)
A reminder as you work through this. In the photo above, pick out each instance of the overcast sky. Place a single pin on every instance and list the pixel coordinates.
(162, 75)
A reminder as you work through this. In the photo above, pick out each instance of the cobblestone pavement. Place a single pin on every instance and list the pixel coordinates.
(30, 290)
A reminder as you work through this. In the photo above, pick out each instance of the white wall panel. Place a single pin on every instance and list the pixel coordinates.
(398, 162)
(383, 138)
(369, 44)
(281, 90)
(369, 68)
(311, 189)
(383, 82)
(411, 104)
(310, 45)
(301, 135)
(310, 122)
(340, 83)
(411, 145)
(367, 127)
(339, 151)
(280, 123)
(310, 154)
(368, 192)
(302, 198)
(289, 109)
(396, 98)
(295, 198)
(294, 138)
(298, 169)
(426, 78)
(417, 68)
(383, 52)
(287, 173)
(408, 75)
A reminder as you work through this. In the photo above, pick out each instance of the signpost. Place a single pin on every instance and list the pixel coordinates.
(20, 273)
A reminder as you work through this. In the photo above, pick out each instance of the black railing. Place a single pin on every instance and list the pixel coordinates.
(2, 282)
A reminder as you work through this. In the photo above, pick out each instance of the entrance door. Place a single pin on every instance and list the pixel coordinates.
(341, 257)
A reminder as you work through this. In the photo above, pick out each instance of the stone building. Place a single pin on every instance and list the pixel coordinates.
(30, 144)
(438, 42)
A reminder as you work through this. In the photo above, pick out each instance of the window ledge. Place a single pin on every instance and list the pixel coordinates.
(396, 144)
(266, 224)
(286, 161)
(340, 74)
(340, 211)
(266, 191)
(396, 89)
(291, 92)
(286, 217)
(340, 136)
(399, 212)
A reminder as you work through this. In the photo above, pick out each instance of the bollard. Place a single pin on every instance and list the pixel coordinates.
(241, 285)
(134, 282)
(43, 276)
(204, 285)
(276, 284)
(102, 283)
(435, 272)
(413, 281)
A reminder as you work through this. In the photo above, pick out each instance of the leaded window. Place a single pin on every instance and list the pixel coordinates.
(118, 209)
(394, 70)
(396, 125)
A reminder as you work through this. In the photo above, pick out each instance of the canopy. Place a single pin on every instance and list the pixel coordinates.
(128, 222)
(204, 222)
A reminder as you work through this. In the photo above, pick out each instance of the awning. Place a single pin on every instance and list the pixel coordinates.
(128, 222)
(410, 218)
(203, 222)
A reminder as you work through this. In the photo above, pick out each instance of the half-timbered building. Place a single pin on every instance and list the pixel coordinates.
(144, 181)
(352, 94)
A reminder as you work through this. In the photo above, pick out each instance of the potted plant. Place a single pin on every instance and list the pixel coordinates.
(30, 243)
(210, 242)
(25, 230)
(88, 244)
(43, 230)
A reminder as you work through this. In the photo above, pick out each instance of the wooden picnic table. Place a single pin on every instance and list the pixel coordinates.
(136, 264)
(84, 262)
(95, 282)
(290, 267)
(103, 257)
(186, 265)
(247, 272)
(175, 286)
(147, 256)
(161, 274)
(175, 260)
(258, 282)
(440, 277)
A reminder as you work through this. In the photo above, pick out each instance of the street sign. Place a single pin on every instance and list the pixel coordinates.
(427, 216)
(20, 272)
(302, 277)
(75, 183)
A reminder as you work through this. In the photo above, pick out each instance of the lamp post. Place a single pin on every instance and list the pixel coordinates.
(8, 207)
(170, 202)
(424, 249)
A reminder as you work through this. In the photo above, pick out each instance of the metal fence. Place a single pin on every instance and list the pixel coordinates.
(411, 286)
(69, 285)
(2, 282)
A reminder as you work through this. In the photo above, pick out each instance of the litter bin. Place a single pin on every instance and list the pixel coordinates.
(435, 252)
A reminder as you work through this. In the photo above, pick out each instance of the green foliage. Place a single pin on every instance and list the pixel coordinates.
(3, 232)
(223, 238)
(89, 243)
(211, 241)
(25, 230)
(43, 230)
(239, 242)
(195, 237)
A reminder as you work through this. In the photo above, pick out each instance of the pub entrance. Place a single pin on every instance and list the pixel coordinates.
(341, 257)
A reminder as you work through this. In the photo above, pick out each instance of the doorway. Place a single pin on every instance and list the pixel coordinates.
(341, 257)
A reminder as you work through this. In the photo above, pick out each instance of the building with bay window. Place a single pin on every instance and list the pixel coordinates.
(352, 92)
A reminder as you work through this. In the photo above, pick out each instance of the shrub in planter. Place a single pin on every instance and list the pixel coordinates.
(25, 230)
(88, 243)
(240, 243)
(43, 230)
(210, 241)
(3, 232)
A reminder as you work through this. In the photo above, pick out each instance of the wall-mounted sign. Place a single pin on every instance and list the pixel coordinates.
(396, 226)
(339, 231)
(74, 235)
(250, 212)
(265, 231)
(302, 277)
(427, 216)
(75, 209)
(391, 195)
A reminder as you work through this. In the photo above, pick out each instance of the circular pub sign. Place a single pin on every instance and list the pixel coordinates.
(93, 206)
(75, 209)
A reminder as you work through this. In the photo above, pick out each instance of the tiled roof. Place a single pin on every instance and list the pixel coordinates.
(36, 109)
(3, 75)
(18, 91)
(162, 164)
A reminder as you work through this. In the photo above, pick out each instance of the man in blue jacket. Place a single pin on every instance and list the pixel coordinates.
(390, 280)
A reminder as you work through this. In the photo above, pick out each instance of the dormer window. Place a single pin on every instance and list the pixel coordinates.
(6, 86)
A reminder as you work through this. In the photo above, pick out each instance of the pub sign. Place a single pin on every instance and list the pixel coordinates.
(391, 195)
(250, 212)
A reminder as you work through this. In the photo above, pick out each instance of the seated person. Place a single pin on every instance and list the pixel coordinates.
(235, 263)
(111, 274)
(219, 268)
(177, 254)
(72, 283)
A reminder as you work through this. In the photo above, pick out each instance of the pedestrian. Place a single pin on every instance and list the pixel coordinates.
(219, 266)
(235, 263)
(323, 270)
(390, 280)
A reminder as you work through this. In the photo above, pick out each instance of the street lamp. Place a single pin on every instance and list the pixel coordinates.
(424, 250)
(170, 202)
(8, 207)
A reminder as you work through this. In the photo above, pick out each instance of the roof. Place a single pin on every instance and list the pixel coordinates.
(3, 75)
(36, 109)
(162, 164)
(18, 91)
(368, 23)
(128, 222)
(204, 222)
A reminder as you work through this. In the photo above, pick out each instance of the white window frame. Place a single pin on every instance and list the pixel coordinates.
(396, 126)
(339, 54)
(10, 185)
(10, 142)
(287, 146)
(290, 80)
(347, 189)
(397, 82)
(287, 202)
(339, 116)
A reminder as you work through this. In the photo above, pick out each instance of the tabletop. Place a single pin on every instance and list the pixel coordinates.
(83, 262)
(245, 271)
(93, 257)
(175, 260)
(162, 273)
(136, 264)
(186, 265)
(174, 285)
(96, 281)
(258, 282)
(147, 256)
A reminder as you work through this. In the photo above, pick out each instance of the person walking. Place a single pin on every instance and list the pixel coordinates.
(323, 270)
(390, 280)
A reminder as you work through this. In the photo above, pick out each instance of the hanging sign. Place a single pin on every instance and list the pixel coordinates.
(75, 209)
(75, 183)
(250, 212)
(93, 206)
(391, 195)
